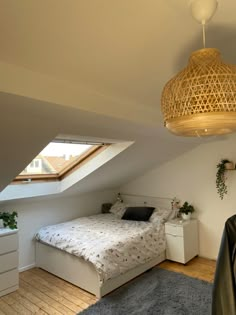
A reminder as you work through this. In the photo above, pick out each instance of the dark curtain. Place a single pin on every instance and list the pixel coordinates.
(224, 288)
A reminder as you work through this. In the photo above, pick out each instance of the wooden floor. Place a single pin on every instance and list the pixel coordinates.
(198, 267)
(42, 293)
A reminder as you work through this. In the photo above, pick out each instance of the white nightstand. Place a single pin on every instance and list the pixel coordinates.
(9, 275)
(182, 240)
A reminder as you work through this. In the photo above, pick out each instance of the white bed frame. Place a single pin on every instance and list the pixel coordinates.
(82, 273)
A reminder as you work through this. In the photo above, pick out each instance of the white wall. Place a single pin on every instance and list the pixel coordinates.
(34, 214)
(191, 177)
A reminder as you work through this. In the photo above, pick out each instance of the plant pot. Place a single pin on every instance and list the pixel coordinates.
(229, 166)
(186, 216)
(1, 224)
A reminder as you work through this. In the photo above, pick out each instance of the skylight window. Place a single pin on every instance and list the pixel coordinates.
(57, 159)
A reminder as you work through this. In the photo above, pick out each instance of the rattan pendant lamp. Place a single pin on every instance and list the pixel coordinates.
(201, 99)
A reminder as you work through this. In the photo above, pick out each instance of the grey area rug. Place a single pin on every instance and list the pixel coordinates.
(159, 292)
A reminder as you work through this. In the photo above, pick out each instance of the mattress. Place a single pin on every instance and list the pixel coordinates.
(112, 245)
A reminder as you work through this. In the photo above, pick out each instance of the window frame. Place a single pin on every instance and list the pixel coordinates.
(66, 171)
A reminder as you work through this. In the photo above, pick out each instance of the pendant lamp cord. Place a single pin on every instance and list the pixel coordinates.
(203, 34)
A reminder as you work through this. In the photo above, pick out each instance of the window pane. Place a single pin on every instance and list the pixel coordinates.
(55, 157)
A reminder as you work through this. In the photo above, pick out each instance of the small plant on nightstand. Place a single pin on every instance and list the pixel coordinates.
(9, 219)
(186, 210)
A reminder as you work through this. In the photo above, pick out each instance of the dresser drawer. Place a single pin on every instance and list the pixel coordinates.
(175, 230)
(9, 279)
(8, 243)
(8, 261)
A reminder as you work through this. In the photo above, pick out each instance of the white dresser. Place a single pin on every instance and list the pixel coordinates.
(9, 275)
(182, 240)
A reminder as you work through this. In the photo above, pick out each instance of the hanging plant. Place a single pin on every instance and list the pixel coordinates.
(221, 178)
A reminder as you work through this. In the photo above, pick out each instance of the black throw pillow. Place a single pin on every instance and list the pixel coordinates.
(138, 213)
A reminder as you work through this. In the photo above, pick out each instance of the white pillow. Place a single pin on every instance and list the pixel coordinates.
(162, 215)
(119, 208)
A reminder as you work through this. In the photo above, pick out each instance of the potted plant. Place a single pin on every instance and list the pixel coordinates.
(186, 211)
(9, 219)
(221, 178)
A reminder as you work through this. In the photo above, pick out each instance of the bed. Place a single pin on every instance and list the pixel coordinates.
(101, 252)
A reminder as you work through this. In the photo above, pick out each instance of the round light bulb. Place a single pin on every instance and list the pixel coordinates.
(203, 10)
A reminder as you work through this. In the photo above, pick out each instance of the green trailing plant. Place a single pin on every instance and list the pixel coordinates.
(9, 219)
(221, 178)
(186, 208)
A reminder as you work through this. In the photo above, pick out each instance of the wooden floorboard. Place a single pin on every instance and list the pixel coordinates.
(45, 294)
(198, 267)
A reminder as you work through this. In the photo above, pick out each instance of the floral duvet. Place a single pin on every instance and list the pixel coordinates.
(112, 245)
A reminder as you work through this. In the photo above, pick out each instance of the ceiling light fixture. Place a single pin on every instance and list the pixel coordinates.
(201, 99)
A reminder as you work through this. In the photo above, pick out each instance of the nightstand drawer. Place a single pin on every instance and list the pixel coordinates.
(8, 243)
(9, 279)
(175, 230)
(8, 261)
(175, 248)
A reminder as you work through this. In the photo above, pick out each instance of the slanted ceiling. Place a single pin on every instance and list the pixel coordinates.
(28, 125)
(96, 68)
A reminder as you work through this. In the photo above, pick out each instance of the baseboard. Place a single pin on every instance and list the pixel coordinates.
(27, 267)
(209, 258)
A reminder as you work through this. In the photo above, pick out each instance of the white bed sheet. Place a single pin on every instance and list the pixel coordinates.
(112, 245)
